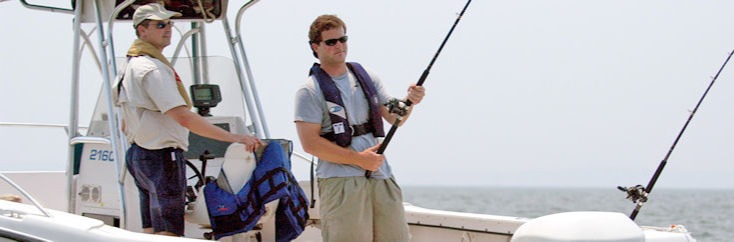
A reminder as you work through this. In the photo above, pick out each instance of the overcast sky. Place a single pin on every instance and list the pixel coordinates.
(525, 93)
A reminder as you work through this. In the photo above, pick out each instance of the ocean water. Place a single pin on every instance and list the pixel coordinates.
(707, 214)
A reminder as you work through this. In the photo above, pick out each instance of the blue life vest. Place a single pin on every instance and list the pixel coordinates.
(342, 131)
(231, 214)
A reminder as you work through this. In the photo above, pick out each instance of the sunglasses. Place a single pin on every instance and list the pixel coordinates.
(332, 42)
(161, 24)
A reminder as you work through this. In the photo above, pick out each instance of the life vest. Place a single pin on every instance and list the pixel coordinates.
(231, 214)
(342, 131)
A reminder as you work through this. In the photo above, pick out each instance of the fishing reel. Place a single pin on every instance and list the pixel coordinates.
(397, 107)
(636, 193)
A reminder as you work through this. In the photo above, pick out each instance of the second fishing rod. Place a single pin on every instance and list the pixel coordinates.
(394, 105)
(639, 194)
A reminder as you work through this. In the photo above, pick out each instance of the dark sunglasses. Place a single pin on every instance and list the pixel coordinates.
(161, 24)
(332, 42)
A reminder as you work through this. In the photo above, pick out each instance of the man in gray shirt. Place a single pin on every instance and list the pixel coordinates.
(339, 113)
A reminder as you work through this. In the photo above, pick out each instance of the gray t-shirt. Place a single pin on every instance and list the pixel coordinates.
(311, 108)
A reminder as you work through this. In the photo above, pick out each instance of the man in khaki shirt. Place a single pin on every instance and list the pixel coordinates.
(157, 120)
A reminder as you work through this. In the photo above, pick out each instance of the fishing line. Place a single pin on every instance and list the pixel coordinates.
(638, 194)
(394, 105)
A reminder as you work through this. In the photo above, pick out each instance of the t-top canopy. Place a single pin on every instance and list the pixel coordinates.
(197, 9)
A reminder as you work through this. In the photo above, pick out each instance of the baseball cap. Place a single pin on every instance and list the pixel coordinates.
(152, 11)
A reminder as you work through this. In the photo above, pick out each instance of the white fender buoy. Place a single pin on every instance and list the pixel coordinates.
(580, 226)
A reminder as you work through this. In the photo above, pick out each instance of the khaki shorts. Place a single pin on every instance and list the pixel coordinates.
(360, 209)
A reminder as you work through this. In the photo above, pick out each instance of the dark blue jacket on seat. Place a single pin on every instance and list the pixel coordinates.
(231, 214)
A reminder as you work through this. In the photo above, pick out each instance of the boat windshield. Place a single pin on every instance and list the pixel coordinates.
(225, 76)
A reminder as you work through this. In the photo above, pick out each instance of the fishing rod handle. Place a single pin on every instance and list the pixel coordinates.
(662, 164)
(635, 212)
(388, 137)
(384, 144)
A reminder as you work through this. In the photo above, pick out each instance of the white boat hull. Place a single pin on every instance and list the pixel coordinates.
(425, 224)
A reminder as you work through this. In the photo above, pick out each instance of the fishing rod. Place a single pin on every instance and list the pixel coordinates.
(394, 106)
(638, 194)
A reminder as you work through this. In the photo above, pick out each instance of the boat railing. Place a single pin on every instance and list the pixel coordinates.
(237, 39)
(312, 179)
(303, 157)
(182, 43)
(90, 140)
(80, 129)
(46, 8)
(107, 46)
(26, 195)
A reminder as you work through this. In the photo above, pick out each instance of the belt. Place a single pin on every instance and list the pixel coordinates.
(361, 129)
(172, 149)
(167, 149)
(357, 130)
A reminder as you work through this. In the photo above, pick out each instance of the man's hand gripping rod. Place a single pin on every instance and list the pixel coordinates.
(394, 105)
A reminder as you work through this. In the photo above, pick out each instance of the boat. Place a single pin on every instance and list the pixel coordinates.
(95, 199)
